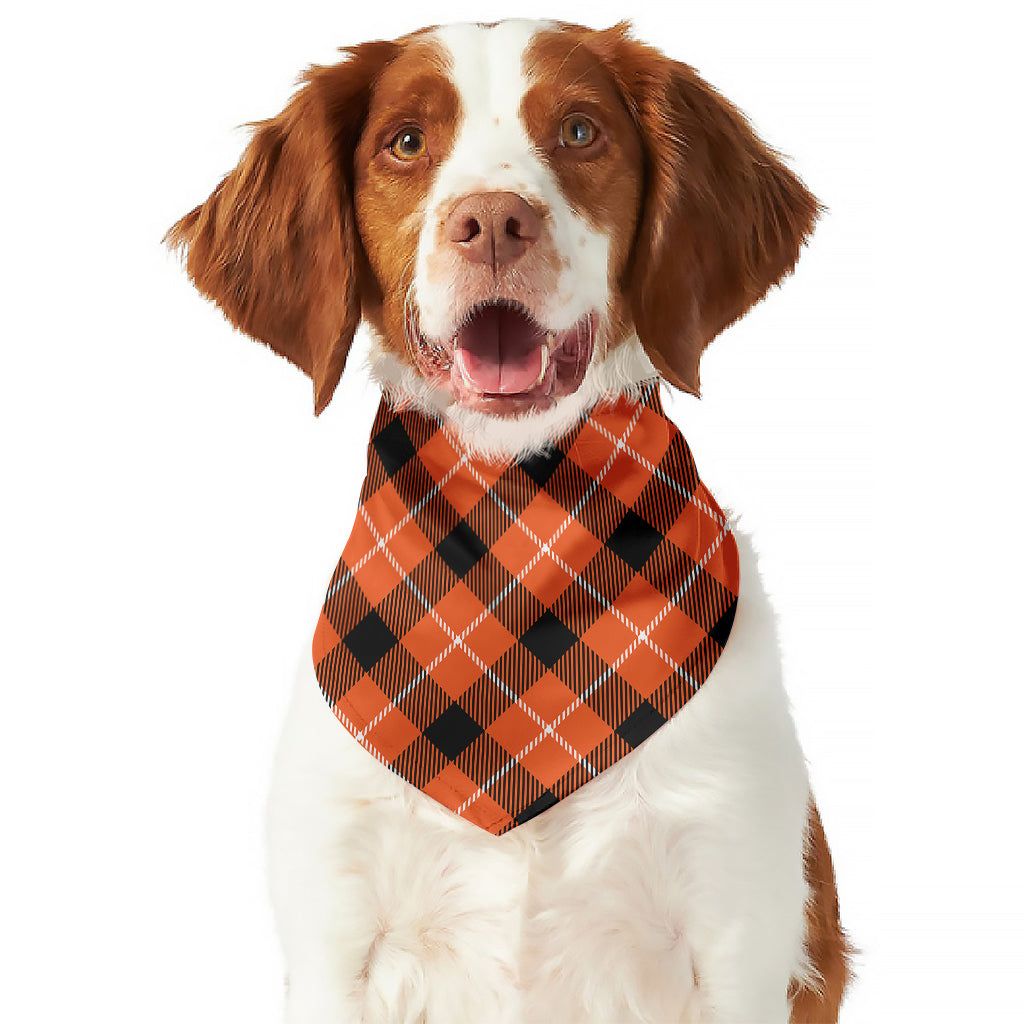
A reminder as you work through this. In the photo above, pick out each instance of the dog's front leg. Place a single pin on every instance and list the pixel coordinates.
(671, 887)
(325, 926)
(390, 909)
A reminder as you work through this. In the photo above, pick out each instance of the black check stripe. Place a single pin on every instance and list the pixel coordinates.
(527, 634)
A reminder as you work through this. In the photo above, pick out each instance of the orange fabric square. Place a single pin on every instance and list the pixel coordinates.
(490, 640)
(644, 670)
(690, 530)
(489, 472)
(460, 665)
(392, 734)
(425, 641)
(542, 517)
(650, 438)
(325, 639)
(549, 697)
(608, 637)
(568, 556)
(384, 509)
(377, 577)
(514, 549)
(626, 478)
(438, 456)
(546, 579)
(640, 602)
(548, 761)
(456, 672)
(408, 546)
(365, 701)
(463, 490)
(514, 729)
(591, 449)
(361, 542)
(677, 634)
(459, 608)
(584, 729)
(576, 546)
(698, 527)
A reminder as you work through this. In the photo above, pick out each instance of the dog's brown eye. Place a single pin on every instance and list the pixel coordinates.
(409, 144)
(577, 132)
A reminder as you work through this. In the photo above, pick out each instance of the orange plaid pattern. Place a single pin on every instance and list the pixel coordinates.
(499, 635)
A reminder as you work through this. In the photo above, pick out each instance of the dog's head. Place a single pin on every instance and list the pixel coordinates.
(524, 213)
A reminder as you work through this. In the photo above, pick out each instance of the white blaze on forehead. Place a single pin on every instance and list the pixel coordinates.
(493, 152)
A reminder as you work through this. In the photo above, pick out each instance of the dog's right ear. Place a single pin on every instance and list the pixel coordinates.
(275, 245)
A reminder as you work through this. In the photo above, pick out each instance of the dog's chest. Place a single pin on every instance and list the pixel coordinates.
(500, 635)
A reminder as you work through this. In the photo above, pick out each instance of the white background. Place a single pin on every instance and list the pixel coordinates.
(172, 510)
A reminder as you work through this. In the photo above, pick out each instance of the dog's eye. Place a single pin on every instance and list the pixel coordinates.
(577, 132)
(409, 144)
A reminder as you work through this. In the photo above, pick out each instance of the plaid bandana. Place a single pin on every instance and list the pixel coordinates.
(500, 634)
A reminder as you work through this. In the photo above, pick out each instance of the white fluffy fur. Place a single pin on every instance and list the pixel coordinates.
(670, 888)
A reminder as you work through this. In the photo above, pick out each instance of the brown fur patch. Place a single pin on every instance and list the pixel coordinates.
(415, 89)
(723, 219)
(828, 947)
(603, 182)
(275, 244)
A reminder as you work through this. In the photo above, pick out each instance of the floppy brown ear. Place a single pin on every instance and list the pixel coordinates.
(275, 245)
(723, 218)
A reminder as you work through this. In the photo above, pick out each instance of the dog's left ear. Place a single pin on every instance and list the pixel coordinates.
(723, 218)
(275, 245)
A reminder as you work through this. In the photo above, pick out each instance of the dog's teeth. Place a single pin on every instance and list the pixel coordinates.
(545, 359)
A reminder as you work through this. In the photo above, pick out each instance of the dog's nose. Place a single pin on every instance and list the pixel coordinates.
(493, 227)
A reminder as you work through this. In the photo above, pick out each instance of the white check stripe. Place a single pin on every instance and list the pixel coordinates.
(671, 603)
(609, 671)
(350, 725)
(458, 640)
(656, 471)
(517, 578)
(397, 528)
(545, 548)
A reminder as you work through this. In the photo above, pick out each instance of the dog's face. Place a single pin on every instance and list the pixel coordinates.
(497, 189)
(508, 206)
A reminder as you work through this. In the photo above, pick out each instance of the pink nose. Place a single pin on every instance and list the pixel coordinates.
(493, 227)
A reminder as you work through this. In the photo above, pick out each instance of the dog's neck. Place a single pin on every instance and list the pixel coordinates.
(623, 371)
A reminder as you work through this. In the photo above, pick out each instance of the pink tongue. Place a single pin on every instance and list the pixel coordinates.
(501, 351)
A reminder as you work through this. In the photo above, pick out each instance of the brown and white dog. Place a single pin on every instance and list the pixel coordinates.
(607, 213)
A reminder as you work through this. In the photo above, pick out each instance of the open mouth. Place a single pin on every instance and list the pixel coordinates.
(501, 351)
(500, 358)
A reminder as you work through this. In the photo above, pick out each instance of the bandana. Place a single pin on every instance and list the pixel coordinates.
(498, 635)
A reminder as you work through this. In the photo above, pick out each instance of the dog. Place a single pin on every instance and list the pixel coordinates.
(539, 223)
